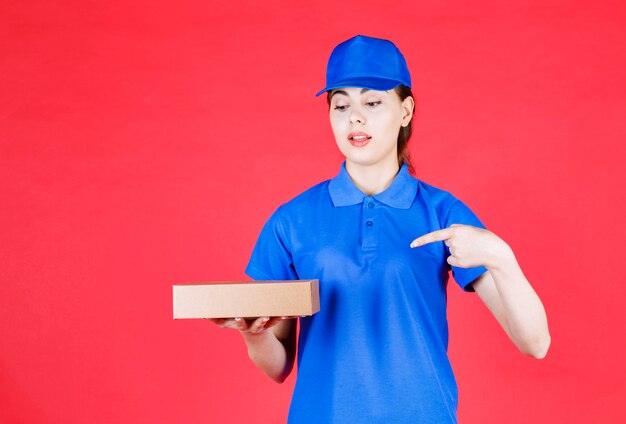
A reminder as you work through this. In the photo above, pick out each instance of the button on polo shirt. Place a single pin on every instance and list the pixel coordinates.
(376, 350)
(369, 231)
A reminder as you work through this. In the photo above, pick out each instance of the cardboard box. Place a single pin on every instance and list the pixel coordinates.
(246, 299)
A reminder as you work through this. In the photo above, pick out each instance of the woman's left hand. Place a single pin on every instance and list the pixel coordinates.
(469, 246)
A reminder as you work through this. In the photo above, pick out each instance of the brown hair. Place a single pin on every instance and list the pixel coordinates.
(405, 132)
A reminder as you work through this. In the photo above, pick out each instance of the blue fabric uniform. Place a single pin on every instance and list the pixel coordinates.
(376, 351)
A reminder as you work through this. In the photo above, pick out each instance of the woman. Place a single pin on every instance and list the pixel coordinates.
(376, 352)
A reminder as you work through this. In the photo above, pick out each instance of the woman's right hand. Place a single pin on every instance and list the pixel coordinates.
(255, 326)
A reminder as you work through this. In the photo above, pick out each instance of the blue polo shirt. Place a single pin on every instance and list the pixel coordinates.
(376, 352)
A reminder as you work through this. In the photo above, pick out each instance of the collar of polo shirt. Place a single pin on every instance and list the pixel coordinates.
(400, 194)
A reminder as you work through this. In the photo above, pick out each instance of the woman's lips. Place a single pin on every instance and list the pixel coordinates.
(359, 139)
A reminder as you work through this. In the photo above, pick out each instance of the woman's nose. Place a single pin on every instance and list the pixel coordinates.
(356, 116)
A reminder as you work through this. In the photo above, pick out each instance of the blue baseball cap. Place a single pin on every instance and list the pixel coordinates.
(366, 62)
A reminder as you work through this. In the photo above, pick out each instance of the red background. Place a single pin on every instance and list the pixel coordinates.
(144, 144)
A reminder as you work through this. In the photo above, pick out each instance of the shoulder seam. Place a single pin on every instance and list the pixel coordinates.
(287, 237)
(449, 211)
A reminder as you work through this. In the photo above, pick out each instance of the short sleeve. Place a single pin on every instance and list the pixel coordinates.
(461, 214)
(271, 258)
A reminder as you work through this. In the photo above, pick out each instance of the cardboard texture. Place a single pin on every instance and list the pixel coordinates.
(246, 299)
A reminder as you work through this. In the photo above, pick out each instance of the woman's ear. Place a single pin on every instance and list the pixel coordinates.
(408, 105)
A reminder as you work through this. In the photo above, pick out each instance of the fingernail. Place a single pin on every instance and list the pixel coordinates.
(266, 319)
(283, 317)
(237, 319)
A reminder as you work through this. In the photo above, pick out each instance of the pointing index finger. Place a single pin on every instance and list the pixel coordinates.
(438, 235)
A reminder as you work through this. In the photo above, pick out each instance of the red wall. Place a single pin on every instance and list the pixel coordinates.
(144, 144)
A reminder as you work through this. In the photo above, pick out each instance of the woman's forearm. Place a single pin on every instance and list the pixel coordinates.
(523, 313)
(270, 355)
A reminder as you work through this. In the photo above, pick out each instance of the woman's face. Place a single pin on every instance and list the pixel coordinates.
(366, 124)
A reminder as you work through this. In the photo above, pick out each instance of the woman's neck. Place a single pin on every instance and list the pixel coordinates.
(372, 179)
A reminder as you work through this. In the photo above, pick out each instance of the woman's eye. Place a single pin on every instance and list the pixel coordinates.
(341, 108)
(372, 104)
